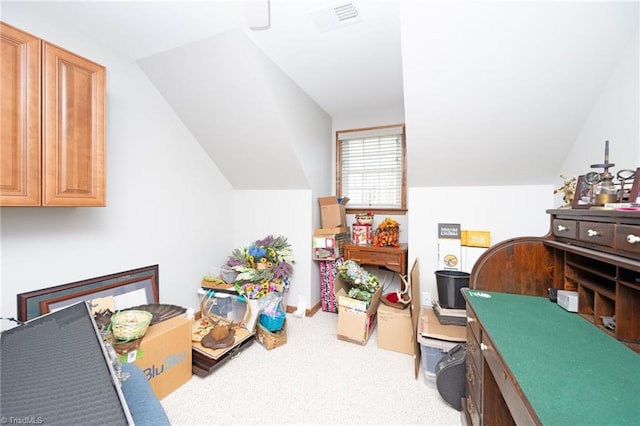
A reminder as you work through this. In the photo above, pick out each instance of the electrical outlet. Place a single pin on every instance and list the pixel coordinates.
(425, 300)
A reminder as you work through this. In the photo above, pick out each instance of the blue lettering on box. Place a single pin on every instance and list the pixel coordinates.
(169, 361)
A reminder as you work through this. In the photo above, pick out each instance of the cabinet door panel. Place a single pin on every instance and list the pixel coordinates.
(20, 118)
(74, 102)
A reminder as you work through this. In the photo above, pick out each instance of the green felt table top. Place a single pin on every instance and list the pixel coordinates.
(571, 372)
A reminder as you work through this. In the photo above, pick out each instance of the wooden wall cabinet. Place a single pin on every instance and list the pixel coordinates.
(53, 124)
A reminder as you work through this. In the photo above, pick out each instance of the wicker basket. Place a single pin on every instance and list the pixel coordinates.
(271, 340)
(130, 325)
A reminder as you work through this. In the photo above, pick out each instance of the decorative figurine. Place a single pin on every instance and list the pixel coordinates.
(568, 189)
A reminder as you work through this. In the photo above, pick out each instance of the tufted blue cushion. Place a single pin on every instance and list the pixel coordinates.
(143, 404)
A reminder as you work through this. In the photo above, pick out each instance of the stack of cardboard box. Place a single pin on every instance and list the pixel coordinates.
(356, 319)
(329, 241)
(328, 246)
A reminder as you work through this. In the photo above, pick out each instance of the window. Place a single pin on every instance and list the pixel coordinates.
(370, 168)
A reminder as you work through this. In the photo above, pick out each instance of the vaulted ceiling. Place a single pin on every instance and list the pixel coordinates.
(341, 62)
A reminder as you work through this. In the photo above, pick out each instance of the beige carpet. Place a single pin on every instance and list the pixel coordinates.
(313, 379)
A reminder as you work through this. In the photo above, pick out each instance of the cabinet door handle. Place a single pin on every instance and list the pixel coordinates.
(561, 228)
(632, 239)
(592, 233)
(469, 319)
(483, 347)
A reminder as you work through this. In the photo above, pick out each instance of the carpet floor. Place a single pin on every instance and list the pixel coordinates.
(314, 379)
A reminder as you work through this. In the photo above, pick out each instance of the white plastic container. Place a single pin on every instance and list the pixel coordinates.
(432, 350)
(568, 300)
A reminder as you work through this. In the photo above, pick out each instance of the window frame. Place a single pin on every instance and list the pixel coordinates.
(385, 210)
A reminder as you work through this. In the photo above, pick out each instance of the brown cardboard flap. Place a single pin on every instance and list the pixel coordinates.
(325, 201)
(331, 231)
(414, 285)
(431, 327)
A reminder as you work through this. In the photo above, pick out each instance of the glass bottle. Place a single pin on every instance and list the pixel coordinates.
(605, 191)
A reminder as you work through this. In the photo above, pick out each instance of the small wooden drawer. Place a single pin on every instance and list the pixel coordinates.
(596, 233)
(473, 349)
(627, 238)
(377, 258)
(474, 383)
(565, 228)
(393, 258)
(473, 324)
(472, 411)
(511, 394)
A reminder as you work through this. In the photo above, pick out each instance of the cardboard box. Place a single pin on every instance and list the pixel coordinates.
(333, 211)
(164, 355)
(361, 234)
(449, 246)
(395, 329)
(430, 327)
(356, 320)
(475, 238)
(414, 284)
(328, 244)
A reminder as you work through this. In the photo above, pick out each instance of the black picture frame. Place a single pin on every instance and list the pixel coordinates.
(35, 303)
(634, 192)
(583, 190)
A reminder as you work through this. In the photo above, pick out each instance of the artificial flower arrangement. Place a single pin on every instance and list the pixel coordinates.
(363, 283)
(387, 234)
(263, 266)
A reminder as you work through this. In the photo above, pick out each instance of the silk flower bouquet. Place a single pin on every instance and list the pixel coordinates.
(263, 266)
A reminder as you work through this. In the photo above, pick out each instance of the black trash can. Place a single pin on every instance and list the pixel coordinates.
(449, 284)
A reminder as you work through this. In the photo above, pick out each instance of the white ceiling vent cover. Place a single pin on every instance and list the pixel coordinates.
(336, 16)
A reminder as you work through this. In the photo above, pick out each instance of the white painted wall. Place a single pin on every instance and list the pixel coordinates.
(505, 211)
(496, 92)
(614, 117)
(167, 203)
(286, 212)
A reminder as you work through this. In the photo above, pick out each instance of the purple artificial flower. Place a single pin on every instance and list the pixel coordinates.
(282, 270)
(266, 242)
(235, 262)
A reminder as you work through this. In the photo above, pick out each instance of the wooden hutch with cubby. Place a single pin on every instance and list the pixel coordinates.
(593, 252)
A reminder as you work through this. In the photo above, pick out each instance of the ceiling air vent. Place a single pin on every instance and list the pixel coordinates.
(336, 16)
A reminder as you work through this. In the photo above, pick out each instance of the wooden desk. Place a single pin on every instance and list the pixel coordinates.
(393, 258)
(531, 362)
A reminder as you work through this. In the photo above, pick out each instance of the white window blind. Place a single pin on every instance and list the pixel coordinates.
(372, 167)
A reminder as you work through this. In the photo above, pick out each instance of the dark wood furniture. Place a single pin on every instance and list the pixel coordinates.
(392, 258)
(544, 365)
(593, 252)
(203, 366)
